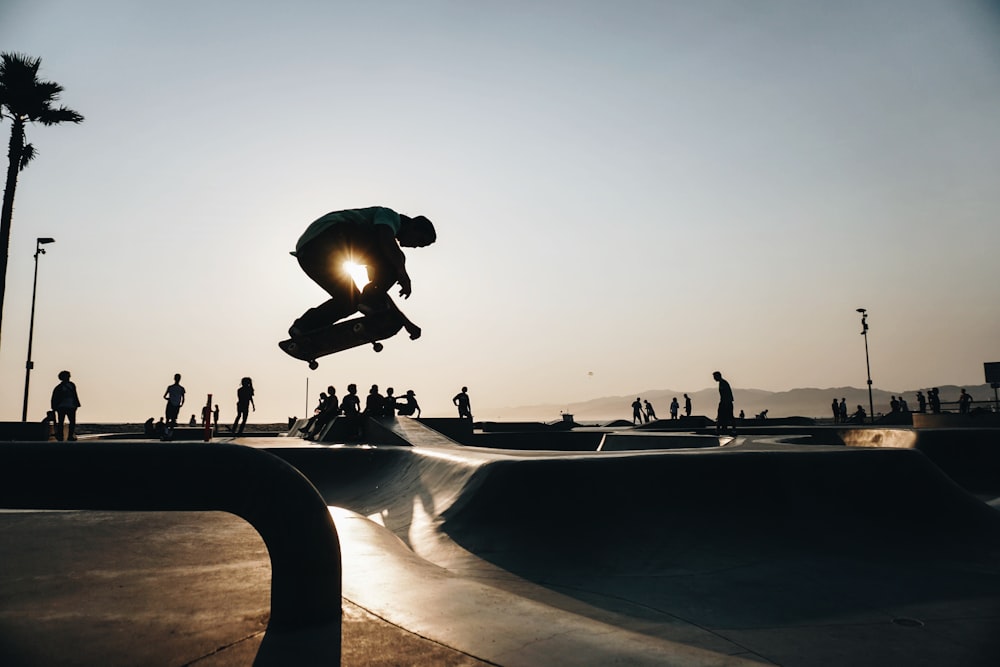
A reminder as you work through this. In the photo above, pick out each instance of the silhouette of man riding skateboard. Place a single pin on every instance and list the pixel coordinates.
(369, 237)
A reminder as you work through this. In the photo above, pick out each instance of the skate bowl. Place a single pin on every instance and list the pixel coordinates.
(795, 555)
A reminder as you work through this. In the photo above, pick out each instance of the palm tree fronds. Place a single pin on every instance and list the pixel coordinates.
(27, 155)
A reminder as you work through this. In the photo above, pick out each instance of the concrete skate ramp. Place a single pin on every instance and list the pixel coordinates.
(970, 456)
(803, 556)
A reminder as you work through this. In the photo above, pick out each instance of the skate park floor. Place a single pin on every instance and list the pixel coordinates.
(765, 550)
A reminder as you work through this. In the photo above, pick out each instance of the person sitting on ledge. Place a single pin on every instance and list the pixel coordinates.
(408, 405)
(859, 415)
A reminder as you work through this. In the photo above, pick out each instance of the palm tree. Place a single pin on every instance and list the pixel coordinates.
(24, 99)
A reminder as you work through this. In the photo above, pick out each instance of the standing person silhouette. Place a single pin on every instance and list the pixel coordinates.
(351, 406)
(369, 237)
(244, 401)
(391, 403)
(64, 403)
(724, 419)
(637, 410)
(462, 402)
(687, 405)
(374, 402)
(174, 396)
(674, 407)
(964, 402)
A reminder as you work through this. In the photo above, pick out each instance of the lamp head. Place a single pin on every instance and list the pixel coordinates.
(45, 239)
(862, 311)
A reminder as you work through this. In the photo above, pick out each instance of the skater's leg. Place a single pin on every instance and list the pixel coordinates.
(322, 260)
(375, 298)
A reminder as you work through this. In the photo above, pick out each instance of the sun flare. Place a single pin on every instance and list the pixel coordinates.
(357, 271)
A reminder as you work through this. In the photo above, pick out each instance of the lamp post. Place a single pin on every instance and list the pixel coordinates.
(868, 365)
(39, 250)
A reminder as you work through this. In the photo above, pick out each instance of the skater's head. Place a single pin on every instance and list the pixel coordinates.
(177, 377)
(717, 375)
(415, 232)
(64, 375)
(246, 382)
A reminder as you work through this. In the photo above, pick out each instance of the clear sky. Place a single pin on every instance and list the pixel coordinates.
(628, 195)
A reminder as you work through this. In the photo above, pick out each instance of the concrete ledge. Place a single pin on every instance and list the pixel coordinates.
(24, 431)
(275, 498)
(955, 420)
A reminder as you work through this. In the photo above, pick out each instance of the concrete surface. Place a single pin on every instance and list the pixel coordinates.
(771, 549)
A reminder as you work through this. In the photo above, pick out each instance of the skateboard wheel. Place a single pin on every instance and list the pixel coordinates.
(378, 346)
(313, 364)
(358, 327)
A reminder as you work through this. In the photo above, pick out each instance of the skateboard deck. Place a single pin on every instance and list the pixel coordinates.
(340, 336)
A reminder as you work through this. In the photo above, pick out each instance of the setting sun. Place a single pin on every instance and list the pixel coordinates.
(357, 271)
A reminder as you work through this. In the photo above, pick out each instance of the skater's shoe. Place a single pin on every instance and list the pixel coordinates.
(297, 330)
(373, 300)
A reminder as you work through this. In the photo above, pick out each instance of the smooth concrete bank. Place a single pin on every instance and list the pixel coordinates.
(760, 550)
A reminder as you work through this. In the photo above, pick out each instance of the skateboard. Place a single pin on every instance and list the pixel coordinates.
(346, 334)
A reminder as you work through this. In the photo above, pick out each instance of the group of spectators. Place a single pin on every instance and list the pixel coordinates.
(376, 405)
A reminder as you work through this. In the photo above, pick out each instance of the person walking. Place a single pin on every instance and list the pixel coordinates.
(244, 401)
(724, 418)
(637, 410)
(64, 403)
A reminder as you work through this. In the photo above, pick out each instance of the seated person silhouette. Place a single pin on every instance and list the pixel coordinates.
(370, 237)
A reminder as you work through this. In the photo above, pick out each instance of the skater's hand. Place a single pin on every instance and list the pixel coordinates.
(404, 286)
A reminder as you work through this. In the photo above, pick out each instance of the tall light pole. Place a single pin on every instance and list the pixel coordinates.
(39, 250)
(868, 365)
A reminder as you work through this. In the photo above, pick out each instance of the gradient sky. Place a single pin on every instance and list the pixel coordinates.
(628, 195)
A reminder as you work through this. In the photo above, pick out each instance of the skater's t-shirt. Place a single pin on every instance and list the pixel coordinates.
(375, 215)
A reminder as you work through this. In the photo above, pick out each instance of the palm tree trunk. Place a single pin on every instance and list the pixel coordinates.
(15, 149)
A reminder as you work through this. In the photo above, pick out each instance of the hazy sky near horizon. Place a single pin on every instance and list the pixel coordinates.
(628, 195)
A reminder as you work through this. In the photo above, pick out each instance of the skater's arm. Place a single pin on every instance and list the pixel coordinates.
(397, 260)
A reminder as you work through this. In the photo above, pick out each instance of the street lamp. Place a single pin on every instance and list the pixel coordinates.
(39, 250)
(868, 365)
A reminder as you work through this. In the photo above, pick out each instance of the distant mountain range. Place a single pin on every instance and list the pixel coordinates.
(807, 402)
